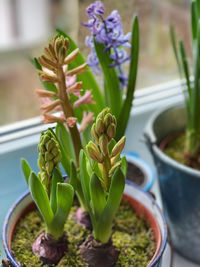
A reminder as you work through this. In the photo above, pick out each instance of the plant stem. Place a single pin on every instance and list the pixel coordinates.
(68, 112)
(106, 169)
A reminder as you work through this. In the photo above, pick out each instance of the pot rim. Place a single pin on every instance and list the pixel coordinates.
(149, 173)
(152, 142)
(151, 264)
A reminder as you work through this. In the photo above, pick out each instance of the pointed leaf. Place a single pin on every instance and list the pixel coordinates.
(40, 198)
(126, 108)
(85, 179)
(97, 194)
(73, 178)
(112, 85)
(104, 226)
(124, 166)
(65, 195)
(56, 178)
(26, 169)
(111, 145)
(66, 146)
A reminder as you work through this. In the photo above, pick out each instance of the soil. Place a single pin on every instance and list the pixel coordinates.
(132, 238)
(174, 147)
(134, 174)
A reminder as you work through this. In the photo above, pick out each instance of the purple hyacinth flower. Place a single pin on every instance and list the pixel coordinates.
(110, 33)
(95, 9)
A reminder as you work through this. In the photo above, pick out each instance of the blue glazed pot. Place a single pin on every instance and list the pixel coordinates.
(132, 192)
(179, 185)
(146, 169)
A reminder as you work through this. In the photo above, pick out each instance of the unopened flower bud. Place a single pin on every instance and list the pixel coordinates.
(49, 167)
(108, 119)
(94, 134)
(48, 156)
(117, 149)
(103, 143)
(99, 126)
(112, 170)
(111, 130)
(94, 152)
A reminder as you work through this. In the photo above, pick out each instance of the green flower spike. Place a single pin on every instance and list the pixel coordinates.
(52, 196)
(103, 131)
(102, 173)
(49, 157)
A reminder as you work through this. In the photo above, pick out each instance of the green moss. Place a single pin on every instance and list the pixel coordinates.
(175, 148)
(131, 236)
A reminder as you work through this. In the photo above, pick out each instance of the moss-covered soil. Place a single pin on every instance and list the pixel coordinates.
(131, 236)
(175, 148)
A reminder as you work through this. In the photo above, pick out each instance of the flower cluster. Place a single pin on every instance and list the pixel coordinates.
(51, 72)
(110, 33)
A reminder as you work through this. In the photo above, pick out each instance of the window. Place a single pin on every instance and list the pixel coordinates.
(22, 36)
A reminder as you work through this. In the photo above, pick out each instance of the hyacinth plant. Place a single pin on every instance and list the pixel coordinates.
(103, 175)
(192, 94)
(60, 68)
(52, 197)
(107, 43)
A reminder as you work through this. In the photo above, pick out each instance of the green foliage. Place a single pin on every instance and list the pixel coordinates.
(102, 175)
(127, 104)
(120, 103)
(192, 96)
(53, 197)
(102, 206)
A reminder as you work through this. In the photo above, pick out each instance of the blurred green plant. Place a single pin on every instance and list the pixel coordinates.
(192, 94)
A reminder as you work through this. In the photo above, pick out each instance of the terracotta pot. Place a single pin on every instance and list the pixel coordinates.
(143, 204)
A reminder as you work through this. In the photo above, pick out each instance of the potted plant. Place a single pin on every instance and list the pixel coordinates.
(173, 137)
(104, 46)
(114, 239)
(111, 49)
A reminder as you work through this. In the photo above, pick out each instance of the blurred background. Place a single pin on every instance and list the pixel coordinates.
(25, 27)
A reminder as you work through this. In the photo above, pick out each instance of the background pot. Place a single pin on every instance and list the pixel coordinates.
(141, 200)
(144, 167)
(179, 184)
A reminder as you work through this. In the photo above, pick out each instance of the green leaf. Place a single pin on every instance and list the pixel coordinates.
(85, 178)
(174, 46)
(48, 86)
(112, 85)
(97, 194)
(124, 166)
(56, 178)
(122, 121)
(87, 135)
(26, 169)
(66, 146)
(194, 20)
(196, 92)
(87, 78)
(104, 226)
(73, 179)
(185, 67)
(65, 195)
(40, 198)
(111, 145)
